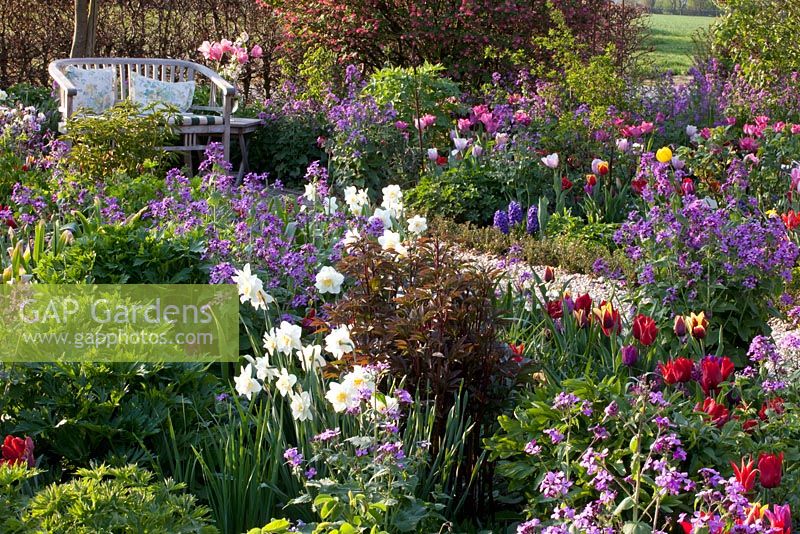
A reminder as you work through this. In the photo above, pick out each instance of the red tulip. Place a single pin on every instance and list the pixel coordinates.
(584, 302)
(771, 468)
(441, 160)
(718, 413)
(17, 451)
(780, 519)
(775, 404)
(565, 183)
(749, 425)
(549, 274)
(517, 351)
(677, 370)
(791, 219)
(714, 371)
(745, 474)
(591, 180)
(644, 329)
(602, 168)
(555, 309)
(608, 317)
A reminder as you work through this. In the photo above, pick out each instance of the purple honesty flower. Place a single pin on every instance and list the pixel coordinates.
(554, 435)
(293, 457)
(532, 220)
(533, 448)
(555, 484)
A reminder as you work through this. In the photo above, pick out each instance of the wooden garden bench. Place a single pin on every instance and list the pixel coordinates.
(192, 124)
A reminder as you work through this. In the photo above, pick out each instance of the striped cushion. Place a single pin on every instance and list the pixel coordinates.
(190, 119)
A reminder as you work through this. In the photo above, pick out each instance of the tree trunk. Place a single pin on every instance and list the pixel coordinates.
(85, 29)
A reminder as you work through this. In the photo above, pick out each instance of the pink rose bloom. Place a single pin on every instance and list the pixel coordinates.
(256, 52)
(226, 45)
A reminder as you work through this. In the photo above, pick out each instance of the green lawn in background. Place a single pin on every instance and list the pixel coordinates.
(671, 40)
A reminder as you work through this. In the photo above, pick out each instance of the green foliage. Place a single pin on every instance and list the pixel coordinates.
(466, 193)
(416, 91)
(759, 35)
(15, 488)
(120, 140)
(113, 412)
(125, 253)
(121, 500)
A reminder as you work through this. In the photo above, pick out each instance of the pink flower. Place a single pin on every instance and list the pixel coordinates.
(226, 45)
(401, 125)
(646, 127)
(522, 117)
(795, 129)
(551, 161)
(241, 55)
(425, 121)
(214, 52)
(256, 52)
(464, 124)
(205, 49)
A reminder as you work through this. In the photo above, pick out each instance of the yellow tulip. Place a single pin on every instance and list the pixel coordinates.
(664, 154)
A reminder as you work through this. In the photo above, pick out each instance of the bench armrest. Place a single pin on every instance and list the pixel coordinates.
(228, 90)
(61, 79)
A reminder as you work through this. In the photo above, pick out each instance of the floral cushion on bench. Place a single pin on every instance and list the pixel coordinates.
(149, 92)
(96, 91)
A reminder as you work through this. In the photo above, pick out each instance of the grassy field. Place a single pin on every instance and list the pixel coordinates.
(672, 40)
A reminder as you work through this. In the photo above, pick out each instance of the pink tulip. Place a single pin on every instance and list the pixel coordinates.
(256, 52)
(241, 55)
(226, 45)
(205, 49)
(215, 52)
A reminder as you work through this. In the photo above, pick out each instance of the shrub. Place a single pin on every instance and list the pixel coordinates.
(434, 320)
(126, 253)
(759, 35)
(106, 412)
(471, 40)
(463, 194)
(120, 140)
(122, 499)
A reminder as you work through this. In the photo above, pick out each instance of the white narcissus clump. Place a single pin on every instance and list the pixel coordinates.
(390, 241)
(301, 406)
(246, 385)
(342, 397)
(251, 288)
(417, 225)
(338, 342)
(329, 280)
(392, 197)
(285, 382)
(287, 338)
(356, 199)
